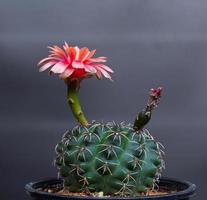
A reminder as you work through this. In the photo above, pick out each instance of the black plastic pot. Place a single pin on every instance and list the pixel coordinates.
(185, 191)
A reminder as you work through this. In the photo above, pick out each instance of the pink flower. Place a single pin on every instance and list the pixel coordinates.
(74, 63)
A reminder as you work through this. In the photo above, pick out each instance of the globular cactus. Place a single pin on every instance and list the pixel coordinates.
(112, 158)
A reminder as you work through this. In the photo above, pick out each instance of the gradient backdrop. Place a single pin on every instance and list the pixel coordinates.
(148, 44)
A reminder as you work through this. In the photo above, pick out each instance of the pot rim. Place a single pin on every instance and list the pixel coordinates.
(190, 188)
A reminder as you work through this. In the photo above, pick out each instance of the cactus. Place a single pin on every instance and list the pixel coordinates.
(110, 158)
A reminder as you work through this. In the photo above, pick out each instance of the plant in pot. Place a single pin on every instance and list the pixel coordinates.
(104, 160)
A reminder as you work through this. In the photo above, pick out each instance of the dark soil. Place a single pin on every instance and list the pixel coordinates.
(57, 189)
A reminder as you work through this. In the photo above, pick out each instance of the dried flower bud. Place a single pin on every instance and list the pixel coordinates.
(144, 116)
(154, 99)
(156, 93)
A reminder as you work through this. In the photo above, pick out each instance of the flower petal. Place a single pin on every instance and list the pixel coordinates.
(66, 73)
(106, 68)
(67, 50)
(77, 50)
(91, 54)
(58, 68)
(105, 74)
(98, 59)
(66, 46)
(84, 52)
(46, 59)
(77, 65)
(58, 52)
(98, 75)
(90, 69)
(72, 53)
(46, 66)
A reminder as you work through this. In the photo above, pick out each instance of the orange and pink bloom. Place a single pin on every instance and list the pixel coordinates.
(74, 63)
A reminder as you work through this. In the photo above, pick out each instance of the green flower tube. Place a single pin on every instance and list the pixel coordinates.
(73, 101)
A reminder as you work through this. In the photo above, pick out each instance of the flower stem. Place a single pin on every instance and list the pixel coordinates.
(73, 101)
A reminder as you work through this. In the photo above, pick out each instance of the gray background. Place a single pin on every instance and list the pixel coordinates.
(148, 43)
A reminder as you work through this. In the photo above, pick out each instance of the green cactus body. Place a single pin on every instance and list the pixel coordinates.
(109, 158)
